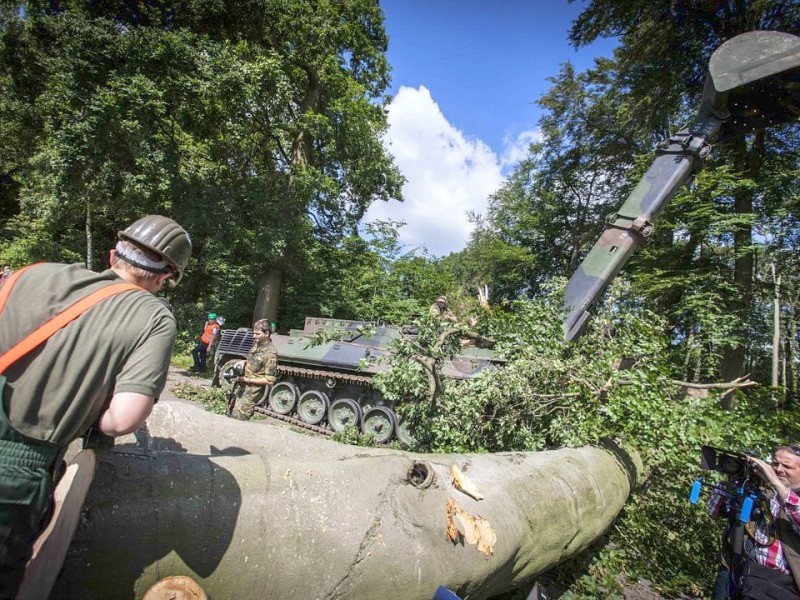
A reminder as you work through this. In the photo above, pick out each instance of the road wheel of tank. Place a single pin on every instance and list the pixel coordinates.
(403, 433)
(344, 412)
(283, 397)
(226, 366)
(380, 422)
(263, 398)
(312, 406)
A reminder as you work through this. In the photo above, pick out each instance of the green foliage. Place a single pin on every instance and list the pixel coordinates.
(261, 134)
(365, 279)
(213, 399)
(352, 435)
(550, 394)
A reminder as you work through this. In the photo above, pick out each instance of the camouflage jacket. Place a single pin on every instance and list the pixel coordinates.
(443, 315)
(262, 362)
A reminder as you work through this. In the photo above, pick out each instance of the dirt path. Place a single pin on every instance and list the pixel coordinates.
(177, 375)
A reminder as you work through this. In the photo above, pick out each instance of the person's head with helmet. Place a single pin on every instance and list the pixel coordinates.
(152, 251)
(212, 316)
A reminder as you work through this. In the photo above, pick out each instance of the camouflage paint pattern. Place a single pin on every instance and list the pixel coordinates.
(753, 82)
(318, 374)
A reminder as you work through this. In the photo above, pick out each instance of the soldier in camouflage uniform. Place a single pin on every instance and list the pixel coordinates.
(260, 369)
(439, 310)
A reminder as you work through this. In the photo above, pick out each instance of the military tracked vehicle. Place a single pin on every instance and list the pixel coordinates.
(327, 386)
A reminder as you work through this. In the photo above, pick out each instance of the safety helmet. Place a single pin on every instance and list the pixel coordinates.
(163, 236)
(212, 316)
(442, 299)
(220, 321)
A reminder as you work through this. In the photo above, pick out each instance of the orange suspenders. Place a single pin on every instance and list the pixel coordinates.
(44, 332)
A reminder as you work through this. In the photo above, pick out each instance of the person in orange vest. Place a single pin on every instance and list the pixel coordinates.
(204, 343)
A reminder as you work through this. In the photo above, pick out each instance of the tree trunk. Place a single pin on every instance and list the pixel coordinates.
(791, 357)
(733, 358)
(89, 239)
(688, 357)
(269, 295)
(269, 284)
(282, 515)
(776, 325)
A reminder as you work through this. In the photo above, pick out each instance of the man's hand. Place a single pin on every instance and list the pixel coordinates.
(767, 473)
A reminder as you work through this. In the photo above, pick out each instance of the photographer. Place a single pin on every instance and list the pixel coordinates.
(764, 558)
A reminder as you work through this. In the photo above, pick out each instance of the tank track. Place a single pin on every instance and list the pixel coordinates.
(317, 374)
(294, 421)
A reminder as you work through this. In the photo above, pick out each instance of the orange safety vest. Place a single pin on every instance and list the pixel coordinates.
(208, 333)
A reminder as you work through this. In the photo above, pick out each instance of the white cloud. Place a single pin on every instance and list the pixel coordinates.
(515, 149)
(447, 173)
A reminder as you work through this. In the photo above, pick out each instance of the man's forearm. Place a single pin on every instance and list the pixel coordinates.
(257, 381)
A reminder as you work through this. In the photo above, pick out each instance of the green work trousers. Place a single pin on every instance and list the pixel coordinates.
(27, 479)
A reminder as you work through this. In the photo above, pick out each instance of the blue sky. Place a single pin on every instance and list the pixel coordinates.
(465, 78)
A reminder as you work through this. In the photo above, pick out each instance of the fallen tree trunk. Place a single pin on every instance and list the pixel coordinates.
(345, 523)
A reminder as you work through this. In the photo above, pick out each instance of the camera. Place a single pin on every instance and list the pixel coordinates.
(232, 373)
(733, 464)
(743, 489)
(729, 463)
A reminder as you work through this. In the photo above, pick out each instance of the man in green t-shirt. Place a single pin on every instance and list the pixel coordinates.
(104, 369)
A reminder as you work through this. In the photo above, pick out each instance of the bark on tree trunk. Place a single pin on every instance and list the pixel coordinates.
(269, 284)
(268, 296)
(733, 359)
(776, 326)
(268, 518)
(791, 356)
(89, 239)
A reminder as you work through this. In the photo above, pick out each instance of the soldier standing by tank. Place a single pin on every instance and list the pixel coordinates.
(205, 341)
(105, 369)
(439, 310)
(260, 369)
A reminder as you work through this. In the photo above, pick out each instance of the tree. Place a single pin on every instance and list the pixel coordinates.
(552, 206)
(598, 133)
(367, 278)
(256, 126)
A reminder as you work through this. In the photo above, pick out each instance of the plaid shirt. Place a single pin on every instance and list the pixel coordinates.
(764, 553)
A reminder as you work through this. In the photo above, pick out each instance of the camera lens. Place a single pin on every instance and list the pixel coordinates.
(730, 465)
